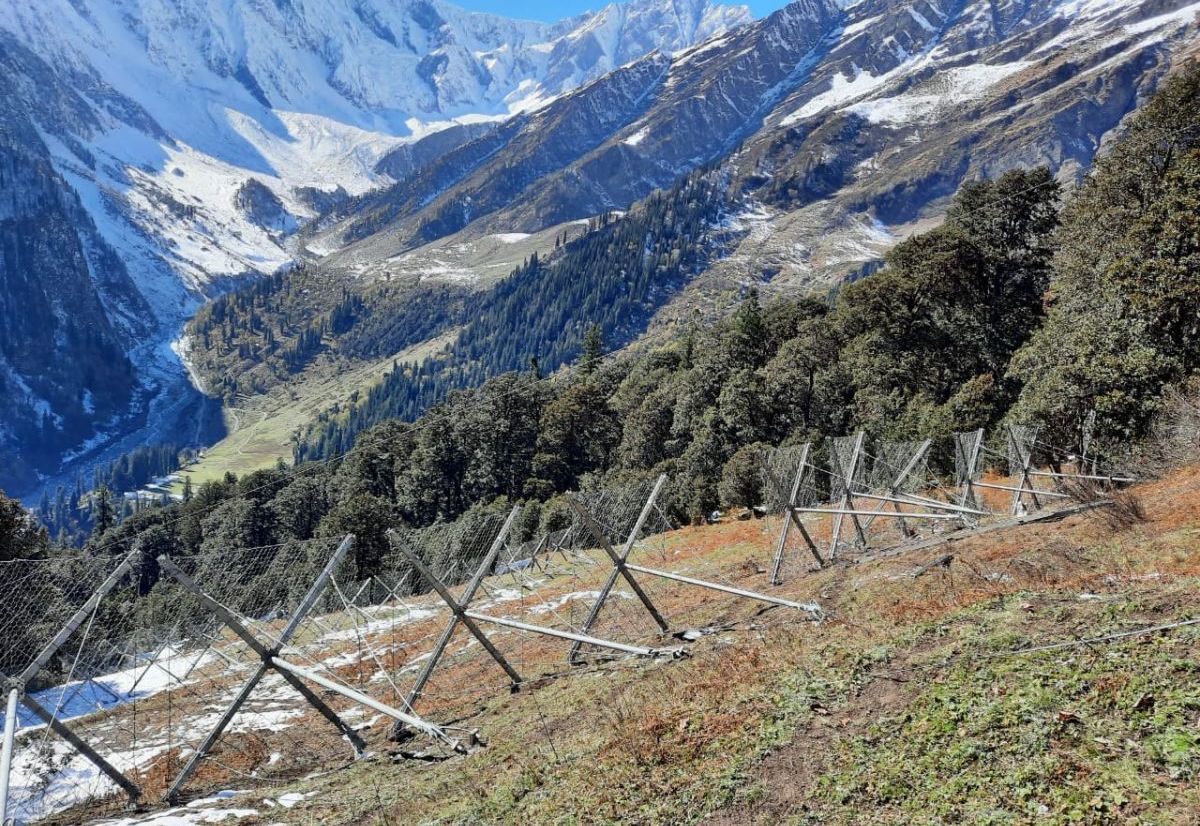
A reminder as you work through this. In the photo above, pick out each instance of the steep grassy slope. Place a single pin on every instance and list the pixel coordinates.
(919, 700)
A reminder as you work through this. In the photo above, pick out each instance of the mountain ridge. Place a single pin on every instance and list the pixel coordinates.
(841, 160)
(196, 137)
(838, 129)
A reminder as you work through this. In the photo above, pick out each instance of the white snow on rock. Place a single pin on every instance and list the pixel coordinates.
(637, 137)
(842, 90)
(951, 88)
(1091, 24)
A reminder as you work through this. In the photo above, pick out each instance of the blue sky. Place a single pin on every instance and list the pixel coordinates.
(558, 9)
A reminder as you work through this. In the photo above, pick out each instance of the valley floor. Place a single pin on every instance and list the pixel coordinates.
(961, 694)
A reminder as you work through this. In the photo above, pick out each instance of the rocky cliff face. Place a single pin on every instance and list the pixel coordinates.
(180, 147)
(69, 312)
(911, 99)
(190, 100)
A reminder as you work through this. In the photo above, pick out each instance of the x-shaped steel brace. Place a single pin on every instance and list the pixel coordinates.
(793, 518)
(898, 482)
(619, 564)
(1026, 484)
(267, 661)
(848, 474)
(970, 461)
(458, 608)
(50, 718)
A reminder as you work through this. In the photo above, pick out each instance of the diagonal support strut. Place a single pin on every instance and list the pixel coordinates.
(458, 608)
(793, 519)
(619, 570)
(265, 654)
(306, 605)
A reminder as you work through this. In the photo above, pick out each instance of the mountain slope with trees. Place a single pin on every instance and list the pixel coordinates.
(942, 339)
(158, 154)
(831, 134)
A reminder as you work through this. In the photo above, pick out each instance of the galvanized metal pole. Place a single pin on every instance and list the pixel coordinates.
(461, 614)
(1110, 479)
(83, 748)
(6, 756)
(810, 608)
(993, 486)
(971, 463)
(847, 474)
(936, 504)
(792, 519)
(582, 639)
(265, 654)
(618, 561)
(899, 480)
(1025, 455)
(43, 657)
(64, 633)
(888, 514)
(296, 671)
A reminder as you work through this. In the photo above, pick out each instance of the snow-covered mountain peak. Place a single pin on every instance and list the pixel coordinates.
(185, 101)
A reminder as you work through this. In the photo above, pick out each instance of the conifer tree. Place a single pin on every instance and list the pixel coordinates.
(746, 341)
(103, 513)
(592, 350)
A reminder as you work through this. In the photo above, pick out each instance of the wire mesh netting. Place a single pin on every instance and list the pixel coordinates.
(63, 675)
(900, 467)
(880, 494)
(687, 608)
(149, 670)
(790, 479)
(1019, 448)
(787, 470)
(847, 470)
(141, 679)
(967, 465)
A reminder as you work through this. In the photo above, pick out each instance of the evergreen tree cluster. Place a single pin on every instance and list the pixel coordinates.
(255, 338)
(138, 467)
(73, 514)
(1124, 316)
(613, 278)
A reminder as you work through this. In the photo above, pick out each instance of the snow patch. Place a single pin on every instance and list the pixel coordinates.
(637, 137)
(953, 87)
(841, 90)
(554, 604)
(1182, 16)
(921, 20)
(196, 812)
